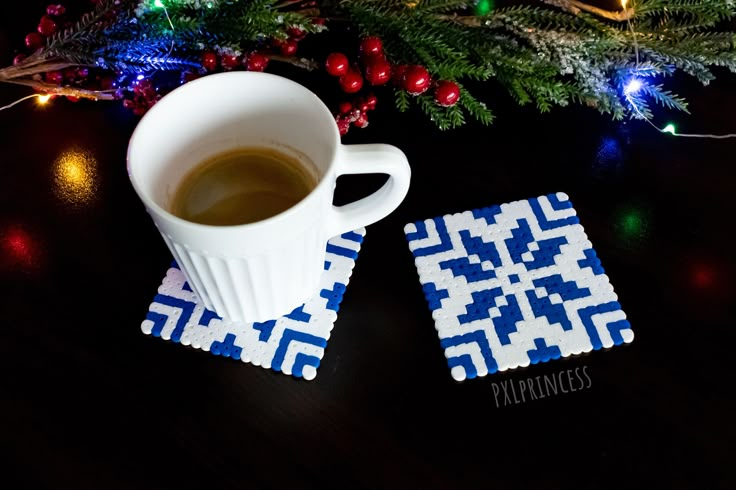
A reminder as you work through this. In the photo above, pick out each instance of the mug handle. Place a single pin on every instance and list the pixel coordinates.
(371, 159)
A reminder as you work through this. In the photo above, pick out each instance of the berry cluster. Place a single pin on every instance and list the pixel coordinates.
(377, 70)
(52, 22)
(47, 26)
(255, 60)
(142, 98)
(355, 113)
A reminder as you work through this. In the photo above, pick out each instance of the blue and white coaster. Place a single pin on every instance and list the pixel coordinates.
(293, 344)
(514, 285)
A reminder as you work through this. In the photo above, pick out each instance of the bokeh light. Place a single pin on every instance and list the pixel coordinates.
(484, 7)
(703, 276)
(19, 248)
(632, 224)
(75, 177)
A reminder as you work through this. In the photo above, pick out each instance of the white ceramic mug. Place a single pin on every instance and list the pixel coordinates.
(263, 270)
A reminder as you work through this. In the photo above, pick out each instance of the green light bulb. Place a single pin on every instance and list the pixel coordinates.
(484, 7)
(158, 4)
(670, 128)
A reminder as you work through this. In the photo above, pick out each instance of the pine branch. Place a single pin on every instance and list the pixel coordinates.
(402, 100)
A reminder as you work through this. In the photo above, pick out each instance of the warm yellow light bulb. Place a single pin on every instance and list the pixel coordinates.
(624, 3)
(43, 99)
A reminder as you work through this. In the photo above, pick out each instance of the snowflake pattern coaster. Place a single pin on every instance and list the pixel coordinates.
(293, 344)
(514, 285)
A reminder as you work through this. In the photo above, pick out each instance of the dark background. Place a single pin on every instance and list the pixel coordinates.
(88, 401)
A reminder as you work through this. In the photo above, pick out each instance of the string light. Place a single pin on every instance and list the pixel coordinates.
(160, 4)
(635, 85)
(670, 128)
(483, 7)
(42, 100)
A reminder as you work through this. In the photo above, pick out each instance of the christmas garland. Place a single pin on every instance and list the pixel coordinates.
(422, 52)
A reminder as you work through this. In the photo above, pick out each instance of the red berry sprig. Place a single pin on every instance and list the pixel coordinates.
(354, 113)
(337, 64)
(144, 97)
(371, 47)
(378, 71)
(34, 41)
(210, 61)
(256, 61)
(231, 61)
(446, 93)
(47, 27)
(416, 80)
(351, 82)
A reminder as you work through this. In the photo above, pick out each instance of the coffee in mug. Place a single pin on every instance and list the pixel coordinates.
(243, 186)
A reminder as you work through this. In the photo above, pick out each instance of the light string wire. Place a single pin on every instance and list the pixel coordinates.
(42, 99)
(669, 129)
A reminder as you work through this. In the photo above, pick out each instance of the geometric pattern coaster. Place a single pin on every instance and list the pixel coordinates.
(514, 285)
(293, 344)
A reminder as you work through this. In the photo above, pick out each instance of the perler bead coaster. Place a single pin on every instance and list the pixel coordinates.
(514, 285)
(293, 344)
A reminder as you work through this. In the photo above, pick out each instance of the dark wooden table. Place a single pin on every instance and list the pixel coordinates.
(89, 402)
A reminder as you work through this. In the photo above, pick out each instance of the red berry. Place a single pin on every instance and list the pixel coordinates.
(296, 33)
(256, 62)
(371, 100)
(345, 107)
(371, 47)
(140, 110)
(82, 72)
(447, 93)
(209, 61)
(351, 82)
(55, 77)
(364, 106)
(288, 48)
(19, 59)
(128, 104)
(362, 121)
(34, 41)
(416, 80)
(337, 64)
(72, 98)
(230, 61)
(47, 26)
(378, 71)
(318, 21)
(343, 125)
(354, 115)
(55, 10)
